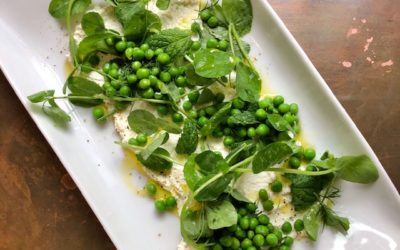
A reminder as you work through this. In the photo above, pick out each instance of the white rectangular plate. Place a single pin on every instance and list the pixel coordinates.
(32, 56)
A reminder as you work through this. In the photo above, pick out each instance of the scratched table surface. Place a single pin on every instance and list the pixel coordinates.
(353, 44)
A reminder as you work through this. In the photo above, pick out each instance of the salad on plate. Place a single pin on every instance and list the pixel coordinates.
(176, 79)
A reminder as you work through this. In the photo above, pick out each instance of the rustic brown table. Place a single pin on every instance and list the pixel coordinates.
(355, 45)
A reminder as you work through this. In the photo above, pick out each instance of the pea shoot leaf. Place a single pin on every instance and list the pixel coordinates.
(240, 13)
(41, 96)
(80, 86)
(151, 147)
(278, 122)
(92, 23)
(195, 79)
(205, 97)
(187, 143)
(142, 121)
(216, 119)
(211, 63)
(194, 226)
(56, 113)
(270, 155)
(248, 83)
(174, 41)
(239, 196)
(157, 161)
(313, 221)
(94, 43)
(59, 8)
(359, 169)
(162, 4)
(221, 214)
(244, 118)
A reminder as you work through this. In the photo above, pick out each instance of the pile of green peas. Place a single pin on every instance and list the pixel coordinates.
(254, 231)
(263, 130)
(161, 205)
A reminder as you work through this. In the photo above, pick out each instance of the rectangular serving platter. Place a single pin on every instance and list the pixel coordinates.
(33, 52)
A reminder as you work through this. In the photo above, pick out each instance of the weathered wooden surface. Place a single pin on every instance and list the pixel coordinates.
(355, 45)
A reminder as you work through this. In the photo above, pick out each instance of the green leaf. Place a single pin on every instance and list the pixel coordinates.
(236, 48)
(92, 23)
(56, 113)
(305, 189)
(174, 41)
(162, 4)
(278, 122)
(270, 155)
(168, 126)
(208, 161)
(41, 96)
(142, 121)
(132, 17)
(313, 221)
(336, 221)
(157, 161)
(240, 13)
(195, 79)
(221, 214)
(239, 196)
(216, 119)
(194, 225)
(94, 43)
(59, 8)
(359, 169)
(153, 22)
(187, 143)
(244, 118)
(205, 97)
(248, 83)
(151, 147)
(80, 86)
(213, 63)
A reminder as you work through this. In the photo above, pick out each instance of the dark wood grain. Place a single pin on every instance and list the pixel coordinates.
(40, 206)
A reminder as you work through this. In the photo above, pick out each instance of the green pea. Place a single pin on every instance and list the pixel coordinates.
(173, 71)
(162, 110)
(288, 241)
(228, 140)
(130, 44)
(217, 247)
(242, 211)
(294, 108)
(153, 80)
(283, 108)
(148, 93)
(138, 54)
(258, 240)
(113, 73)
(149, 54)
(151, 188)
(262, 229)
(142, 73)
(309, 154)
(212, 22)
(253, 223)
(294, 162)
(299, 153)
(212, 43)
(187, 105)
(298, 225)
(278, 100)
(263, 194)
(238, 103)
(264, 103)
(226, 241)
(272, 240)
(141, 138)
(110, 41)
(223, 45)
(242, 132)
(155, 71)
(114, 65)
(106, 68)
(131, 78)
(232, 229)
(211, 110)
(144, 84)
(311, 168)
(286, 227)
(170, 202)
(250, 234)
(133, 141)
(261, 114)
(163, 58)
(278, 233)
(202, 121)
(268, 205)
(235, 243)
(160, 206)
(110, 91)
(193, 96)
(165, 77)
(177, 117)
(128, 53)
(252, 248)
(98, 112)
(289, 118)
(284, 248)
(251, 132)
(251, 207)
(115, 84)
(193, 114)
(244, 223)
(125, 91)
(246, 243)
(120, 46)
(235, 111)
(205, 15)
(158, 51)
(144, 46)
(240, 233)
(181, 81)
(196, 45)
(136, 65)
(276, 186)
(262, 130)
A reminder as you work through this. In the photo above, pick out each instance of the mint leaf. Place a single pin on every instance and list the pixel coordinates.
(187, 143)
(248, 83)
(244, 118)
(270, 155)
